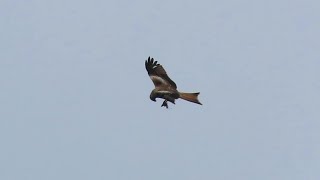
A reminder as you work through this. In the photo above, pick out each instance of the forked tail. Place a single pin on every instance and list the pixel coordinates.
(192, 97)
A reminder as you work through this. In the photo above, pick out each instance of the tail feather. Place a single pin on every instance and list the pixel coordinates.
(192, 97)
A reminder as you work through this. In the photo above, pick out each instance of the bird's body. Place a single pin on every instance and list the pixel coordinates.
(165, 88)
(167, 94)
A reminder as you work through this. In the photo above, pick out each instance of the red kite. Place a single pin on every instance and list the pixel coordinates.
(165, 88)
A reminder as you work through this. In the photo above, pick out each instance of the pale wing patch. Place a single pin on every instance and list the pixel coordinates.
(158, 80)
(165, 92)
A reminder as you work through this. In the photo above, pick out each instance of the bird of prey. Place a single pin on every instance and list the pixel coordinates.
(165, 88)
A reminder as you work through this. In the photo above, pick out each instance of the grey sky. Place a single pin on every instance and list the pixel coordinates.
(75, 94)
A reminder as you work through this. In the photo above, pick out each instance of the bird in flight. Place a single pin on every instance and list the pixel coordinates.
(165, 88)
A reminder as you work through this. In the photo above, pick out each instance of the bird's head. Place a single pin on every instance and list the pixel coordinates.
(153, 96)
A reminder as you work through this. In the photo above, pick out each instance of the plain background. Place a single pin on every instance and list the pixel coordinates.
(74, 92)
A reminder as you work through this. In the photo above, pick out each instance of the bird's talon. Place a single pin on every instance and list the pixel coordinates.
(165, 104)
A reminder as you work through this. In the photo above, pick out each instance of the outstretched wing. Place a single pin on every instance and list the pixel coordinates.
(158, 75)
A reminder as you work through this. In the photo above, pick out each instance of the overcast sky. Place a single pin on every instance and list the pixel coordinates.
(74, 92)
